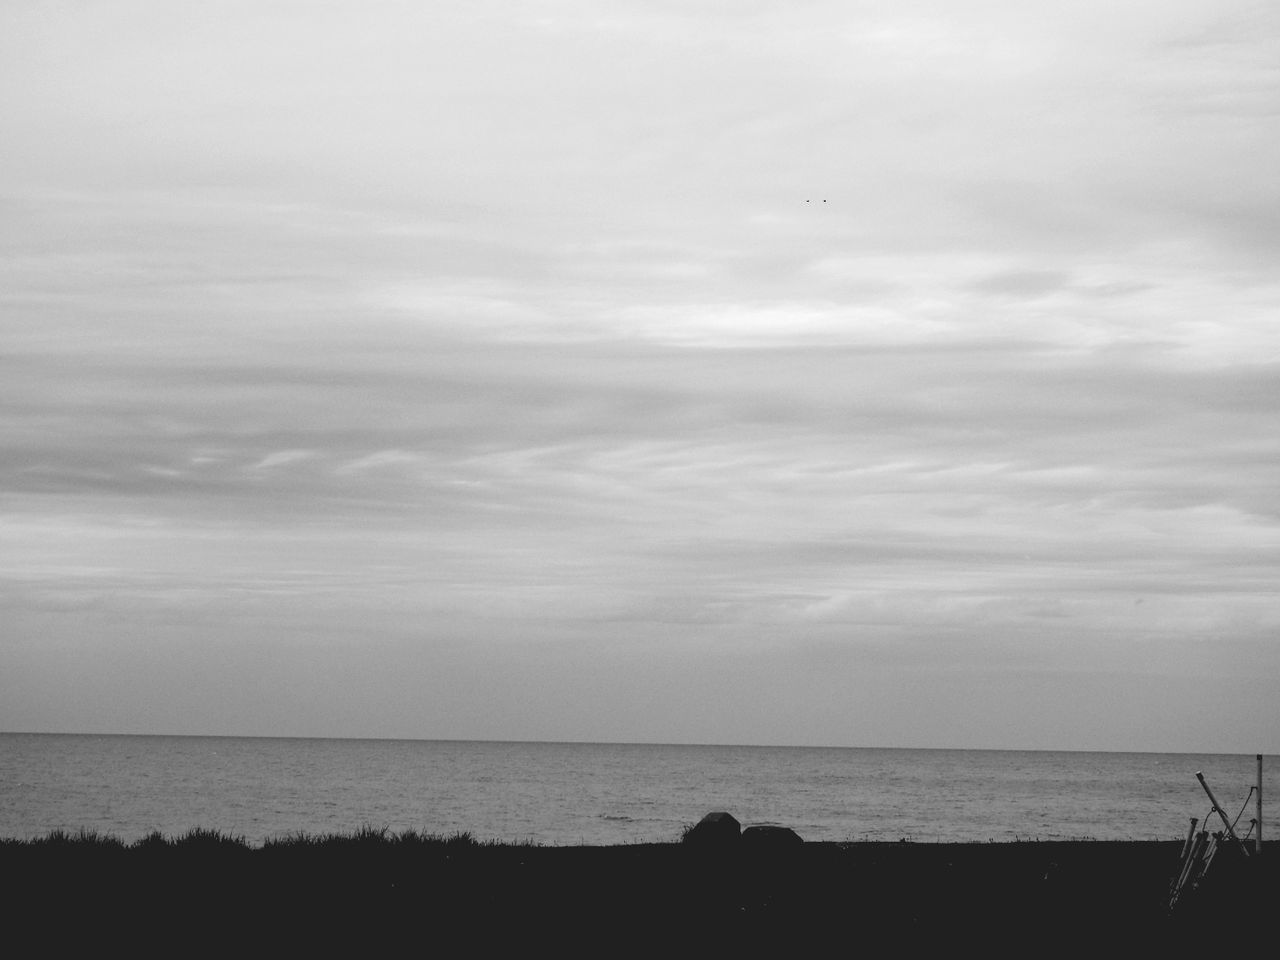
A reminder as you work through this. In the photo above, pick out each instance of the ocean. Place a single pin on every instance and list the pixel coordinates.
(588, 793)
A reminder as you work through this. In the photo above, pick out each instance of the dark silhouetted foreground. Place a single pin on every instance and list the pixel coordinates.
(376, 892)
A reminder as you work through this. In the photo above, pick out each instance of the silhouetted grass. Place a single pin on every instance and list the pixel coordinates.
(77, 838)
(375, 890)
(198, 838)
(203, 838)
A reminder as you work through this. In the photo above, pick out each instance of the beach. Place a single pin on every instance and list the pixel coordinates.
(391, 893)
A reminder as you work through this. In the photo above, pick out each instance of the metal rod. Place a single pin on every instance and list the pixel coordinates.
(1221, 813)
(1184, 864)
(1193, 858)
(1189, 866)
(1209, 854)
(1243, 808)
(1257, 839)
(1191, 835)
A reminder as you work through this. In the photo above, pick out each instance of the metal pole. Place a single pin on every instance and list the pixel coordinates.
(1257, 840)
(1191, 836)
(1221, 813)
(1214, 845)
(1189, 866)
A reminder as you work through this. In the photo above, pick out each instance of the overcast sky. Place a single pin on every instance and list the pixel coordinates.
(871, 374)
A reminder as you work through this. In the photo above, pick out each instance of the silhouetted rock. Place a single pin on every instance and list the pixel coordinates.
(768, 836)
(717, 829)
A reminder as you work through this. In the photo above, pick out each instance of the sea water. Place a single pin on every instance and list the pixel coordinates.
(587, 793)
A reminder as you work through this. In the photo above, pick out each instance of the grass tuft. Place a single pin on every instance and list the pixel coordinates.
(81, 838)
(206, 839)
(366, 837)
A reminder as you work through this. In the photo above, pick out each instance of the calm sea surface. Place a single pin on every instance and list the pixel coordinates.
(557, 793)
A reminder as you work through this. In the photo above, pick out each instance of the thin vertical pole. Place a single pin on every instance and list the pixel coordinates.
(1257, 840)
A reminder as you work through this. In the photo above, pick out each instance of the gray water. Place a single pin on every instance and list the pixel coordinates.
(558, 793)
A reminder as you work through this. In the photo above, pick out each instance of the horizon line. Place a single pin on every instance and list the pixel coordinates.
(628, 743)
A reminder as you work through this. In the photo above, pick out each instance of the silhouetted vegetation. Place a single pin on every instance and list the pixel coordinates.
(378, 890)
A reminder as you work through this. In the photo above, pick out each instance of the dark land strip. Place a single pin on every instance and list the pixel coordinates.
(378, 893)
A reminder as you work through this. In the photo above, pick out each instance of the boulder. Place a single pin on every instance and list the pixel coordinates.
(717, 829)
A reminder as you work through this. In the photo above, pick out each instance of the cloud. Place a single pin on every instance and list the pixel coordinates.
(516, 332)
(875, 461)
(1024, 284)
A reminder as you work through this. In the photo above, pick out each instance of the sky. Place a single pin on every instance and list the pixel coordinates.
(870, 374)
